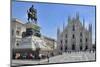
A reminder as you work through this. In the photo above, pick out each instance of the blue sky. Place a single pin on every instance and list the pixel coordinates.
(50, 16)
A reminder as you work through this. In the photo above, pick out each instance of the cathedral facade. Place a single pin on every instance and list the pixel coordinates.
(74, 37)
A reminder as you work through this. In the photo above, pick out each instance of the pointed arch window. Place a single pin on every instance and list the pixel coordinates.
(81, 40)
(73, 46)
(80, 47)
(81, 34)
(73, 36)
(86, 47)
(66, 48)
(17, 44)
(66, 35)
(86, 40)
(61, 41)
(66, 41)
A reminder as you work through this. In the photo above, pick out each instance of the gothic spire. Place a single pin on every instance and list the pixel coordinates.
(77, 15)
(63, 26)
(69, 18)
(58, 31)
(90, 27)
(83, 22)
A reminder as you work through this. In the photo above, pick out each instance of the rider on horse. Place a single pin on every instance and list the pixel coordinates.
(32, 14)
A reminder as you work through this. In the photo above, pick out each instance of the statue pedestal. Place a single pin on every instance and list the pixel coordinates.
(31, 25)
(32, 29)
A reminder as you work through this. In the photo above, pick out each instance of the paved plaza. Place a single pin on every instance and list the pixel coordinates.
(65, 57)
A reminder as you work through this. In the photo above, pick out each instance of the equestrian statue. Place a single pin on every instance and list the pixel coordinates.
(31, 12)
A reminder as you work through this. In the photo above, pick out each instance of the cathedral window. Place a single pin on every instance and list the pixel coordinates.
(81, 47)
(81, 34)
(65, 47)
(86, 39)
(86, 47)
(61, 45)
(73, 46)
(61, 41)
(73, 36)
(66, 35)
(66, 41)
(61, 48)
(17, 44)
(80, 40)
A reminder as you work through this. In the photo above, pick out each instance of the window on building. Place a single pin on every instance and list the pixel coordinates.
(23, 34)
(66, 41)
(61, 41)
(73, 28)
(17, 32)
(66, 35)
(73, 36)
(80, 40)
(86, 47)
(17, 44)
(86, 39)
(80, 46)
(65, 47)
(73, 46)
(61, 48)
(81, 34)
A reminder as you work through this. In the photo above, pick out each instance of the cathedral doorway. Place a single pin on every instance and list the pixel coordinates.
(61, 48)
(66, 48)
(86, 47)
